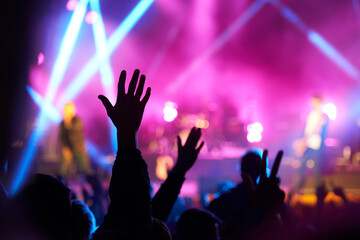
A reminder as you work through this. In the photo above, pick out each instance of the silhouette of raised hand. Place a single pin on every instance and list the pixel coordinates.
(128, 110)
(188, 153)
(268, 193)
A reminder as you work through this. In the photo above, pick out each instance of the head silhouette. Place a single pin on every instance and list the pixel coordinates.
(196, 224)
(45, 204)
(83, 221)
(250, 164)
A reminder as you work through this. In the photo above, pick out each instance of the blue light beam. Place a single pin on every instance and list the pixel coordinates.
(66, 48)
(58, 72)
(317, 40)
(115, 39)
(107, 76)
(328, 50)
(51, 112)
(95, 154)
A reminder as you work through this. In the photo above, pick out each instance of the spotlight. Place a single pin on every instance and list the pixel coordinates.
(71, 5)
(330, 110)
(254, 132)
(310, 163)
(251, 137)
(170, 112)
(91, 17)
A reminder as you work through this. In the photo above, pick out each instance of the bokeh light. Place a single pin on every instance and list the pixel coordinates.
(41, 58)
(71, 5)
(170, 112)
(330, 110)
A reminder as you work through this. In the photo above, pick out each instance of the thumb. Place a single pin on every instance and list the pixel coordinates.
(106, 103)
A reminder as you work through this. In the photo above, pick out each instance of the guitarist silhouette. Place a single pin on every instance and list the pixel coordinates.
(310, 147)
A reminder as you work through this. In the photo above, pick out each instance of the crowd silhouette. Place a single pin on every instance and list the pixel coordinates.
(255, 209)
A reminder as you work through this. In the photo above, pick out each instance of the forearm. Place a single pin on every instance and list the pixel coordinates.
(165, 198)
(129, 189)
(127, 139)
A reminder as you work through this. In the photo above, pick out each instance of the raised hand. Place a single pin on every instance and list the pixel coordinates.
(188, 153)
(267, 193)
(128, 110)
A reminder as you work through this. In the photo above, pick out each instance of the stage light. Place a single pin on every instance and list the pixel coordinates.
(71, 5)
(41, 58)
(310, 163)
(331, 52)
(60, 65)
(95, 154)
(93, 65)
(106, 73)
(45, 106)
(330, 110)
(66, 49)
(317, 40)
(253, 137)
(91, 17)
(254, 132)
(128, 23)
(332, 142)
(170, 112)
(255, 127)
(59, 70)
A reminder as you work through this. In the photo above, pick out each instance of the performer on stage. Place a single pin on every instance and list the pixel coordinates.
(72, 143)
(310, 147)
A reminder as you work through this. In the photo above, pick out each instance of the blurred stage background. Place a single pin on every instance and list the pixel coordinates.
(244, 71)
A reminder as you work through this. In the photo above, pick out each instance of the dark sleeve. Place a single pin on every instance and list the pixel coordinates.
(130, 208)
(166, 196)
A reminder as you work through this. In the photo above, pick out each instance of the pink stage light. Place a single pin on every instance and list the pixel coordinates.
(332, 142)
(91, 17)
(170, 112)
(252, 138)
(71, 5)
(41, 58)
(254, 132)
(255, 127)
(330, 110)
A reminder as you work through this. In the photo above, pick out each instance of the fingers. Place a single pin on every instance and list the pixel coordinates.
(140, 88)
(133, 82)
(121, 85)
(190, 136)
(276, 164)
(146, 97)
(108, 106)
(199, 148)
(263, 164)
(196, 137)
(193, 138)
